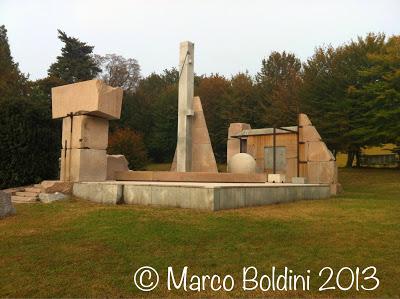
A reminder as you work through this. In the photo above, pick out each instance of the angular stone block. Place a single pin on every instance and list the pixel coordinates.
(276, 178)
(304, 120)
(318, 151)
(202, 158)
(116, 163)
(56, 186)
(83, 165)
(92, 97)
(322, 172)
(87, 132)
(309, 133)
(6, 206)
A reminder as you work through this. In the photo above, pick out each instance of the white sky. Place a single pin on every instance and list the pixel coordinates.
(229, 35)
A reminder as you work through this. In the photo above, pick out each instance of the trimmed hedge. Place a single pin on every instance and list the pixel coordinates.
(29, 142)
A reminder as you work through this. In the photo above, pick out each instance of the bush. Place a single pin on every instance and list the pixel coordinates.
(29, 142)
(127, 142)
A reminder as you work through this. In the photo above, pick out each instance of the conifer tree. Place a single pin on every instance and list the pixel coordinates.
(76, 62)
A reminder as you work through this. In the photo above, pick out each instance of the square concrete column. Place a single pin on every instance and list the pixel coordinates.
(185, 107)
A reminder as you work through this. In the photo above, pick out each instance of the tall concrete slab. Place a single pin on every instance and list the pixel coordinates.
(185, 107)
(203, 159)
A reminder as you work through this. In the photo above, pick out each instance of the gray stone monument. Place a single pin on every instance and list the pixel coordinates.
(185, 107)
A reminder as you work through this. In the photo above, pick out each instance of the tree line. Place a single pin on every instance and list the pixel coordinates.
(351, 93)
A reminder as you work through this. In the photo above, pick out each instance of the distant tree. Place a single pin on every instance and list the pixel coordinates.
(76, 62)
(12, 81)
(331, 78)
(214, 92)
(118, 71)
(278, 81)
(381, 92)
(163, 135)
(244, 101)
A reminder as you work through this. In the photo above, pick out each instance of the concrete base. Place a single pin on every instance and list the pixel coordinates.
(203, 196)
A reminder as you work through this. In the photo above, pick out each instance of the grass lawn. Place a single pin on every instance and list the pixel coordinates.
(82, 249)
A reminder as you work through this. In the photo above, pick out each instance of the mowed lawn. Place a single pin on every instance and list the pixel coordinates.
(82, 249)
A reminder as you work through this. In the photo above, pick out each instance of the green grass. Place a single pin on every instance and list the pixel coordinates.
(82, 249)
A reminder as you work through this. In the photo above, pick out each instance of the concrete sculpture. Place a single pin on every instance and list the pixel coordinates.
(86, 107)
(300, 153)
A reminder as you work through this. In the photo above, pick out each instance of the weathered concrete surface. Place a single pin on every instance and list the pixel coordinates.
(83, 165)
(6, 206)
(56, 186)
(116, 163)
(203, 159)
(219, 196)
(185, 107)
(107, 193)
(92, 97)
(166, 176)
(202, 196)
(87, 132)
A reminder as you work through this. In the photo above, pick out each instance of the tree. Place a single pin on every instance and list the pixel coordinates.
(214, 92)
(330, 81)
(12, 81)
(118, 71)
(382, 92)
(76, 62)
(279, 81)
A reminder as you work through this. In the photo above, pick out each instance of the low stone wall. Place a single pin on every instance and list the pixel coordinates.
(202, 196)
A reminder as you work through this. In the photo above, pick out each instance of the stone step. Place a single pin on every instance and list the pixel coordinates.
(26, 194)
(33, 189)
(37, 186)
(23, 199)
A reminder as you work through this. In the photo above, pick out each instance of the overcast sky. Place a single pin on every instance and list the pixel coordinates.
(229, 35)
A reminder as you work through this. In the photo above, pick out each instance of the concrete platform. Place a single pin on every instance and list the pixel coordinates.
(203, 196)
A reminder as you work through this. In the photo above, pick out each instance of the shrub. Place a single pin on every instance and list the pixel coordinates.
(127, 142)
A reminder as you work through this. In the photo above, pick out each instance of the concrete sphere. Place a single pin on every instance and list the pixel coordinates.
(242, 163)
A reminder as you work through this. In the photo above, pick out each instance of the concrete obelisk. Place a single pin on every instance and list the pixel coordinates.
(185, 107)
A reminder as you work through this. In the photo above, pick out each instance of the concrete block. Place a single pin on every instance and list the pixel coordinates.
(87, 132)
(99, 192)
(56, 186)
(78, 165)
(299, 180)
(322, 172)
(116, 163)
(276, 178)
(137, 195)
(318, 151)
(309, 133)
(92, 97)
(304, 120)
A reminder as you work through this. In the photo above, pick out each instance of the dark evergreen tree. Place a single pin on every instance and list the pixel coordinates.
(76, 62)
